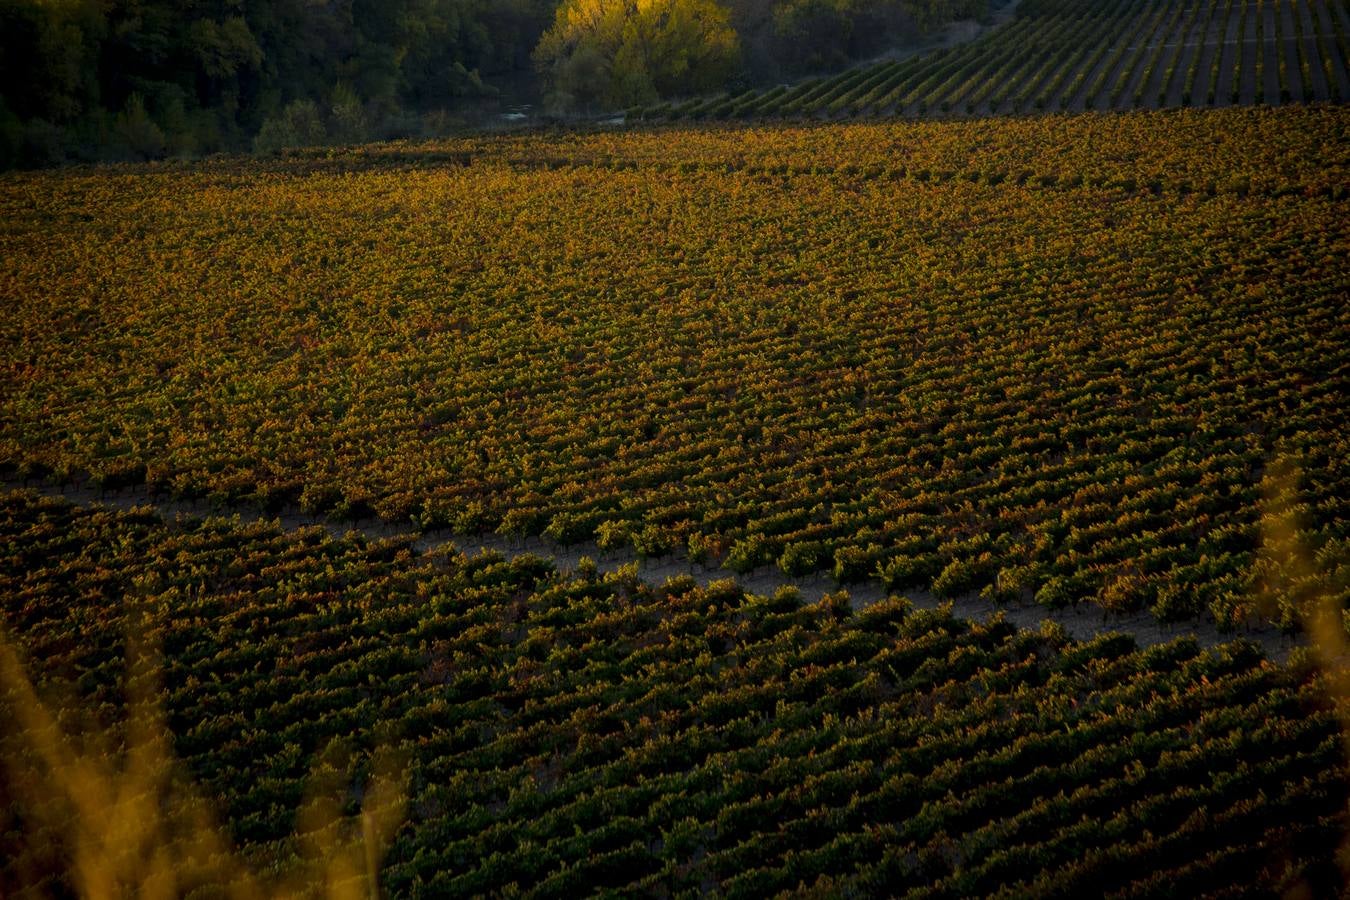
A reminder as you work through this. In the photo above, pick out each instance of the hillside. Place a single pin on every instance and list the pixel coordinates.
(98, 80)
(1080, 55)
(562, 734)
(791, 446)
(978, 359)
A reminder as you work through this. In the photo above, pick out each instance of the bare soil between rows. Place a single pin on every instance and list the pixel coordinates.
(1082, 622)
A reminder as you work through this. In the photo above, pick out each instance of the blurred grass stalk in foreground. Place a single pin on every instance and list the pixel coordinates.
(1298, 578)
(120, 817)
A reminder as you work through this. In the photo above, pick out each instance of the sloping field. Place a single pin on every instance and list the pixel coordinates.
(1079, 621)
(1060, 359)
(561, 735)
(1084, 54)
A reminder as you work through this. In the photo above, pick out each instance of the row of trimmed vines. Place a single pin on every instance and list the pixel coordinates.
(1045, 359)
(1081, 54)
(568, 734)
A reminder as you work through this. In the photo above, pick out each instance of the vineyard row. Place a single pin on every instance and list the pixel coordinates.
(1077, 55)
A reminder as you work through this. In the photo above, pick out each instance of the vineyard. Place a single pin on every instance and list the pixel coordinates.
(566, 733)
(1078, 55)
(979, 359)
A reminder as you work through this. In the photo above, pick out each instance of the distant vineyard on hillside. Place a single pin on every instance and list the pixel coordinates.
(1077, 55)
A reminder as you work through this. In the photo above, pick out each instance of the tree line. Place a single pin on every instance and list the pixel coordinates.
(142, 79)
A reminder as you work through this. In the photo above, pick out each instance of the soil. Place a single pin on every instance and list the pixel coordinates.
(1173, 45)
(1139, 57)
(1059, 80)
(1339, 11)
(1341, 72)
(1289, 46)
(1213, 45)
(1083, 622)
(984, 93)
(1027, 77)
(1078, 102)
(1196, 39)
(1247, 77)
(1321, 90)
(1271, 50)
(1223, 87)
(1118, 68)
(1034, 87)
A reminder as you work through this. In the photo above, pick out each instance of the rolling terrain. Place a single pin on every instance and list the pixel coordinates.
(1076, 55)
(986, 361)
(724, 416)
(565, 734)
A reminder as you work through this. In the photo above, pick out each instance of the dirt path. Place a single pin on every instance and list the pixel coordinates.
(1222, 87)
(1289, 48)
(1270, 51)
(1340, 67)
(1201, 88)
(1250, 48)
(1082, 622)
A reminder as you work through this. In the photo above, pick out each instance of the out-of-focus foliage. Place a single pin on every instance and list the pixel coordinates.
(619, 53)
(568, 734)
(1044, 358)
(105, 807)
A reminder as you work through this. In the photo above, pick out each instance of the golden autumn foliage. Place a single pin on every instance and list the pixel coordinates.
(619, 52)
(1048, 358)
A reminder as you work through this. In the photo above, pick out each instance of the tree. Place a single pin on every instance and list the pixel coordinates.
(298, 125)
(615, 53)
(89, 78)
(141, 137)
(813, 34)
